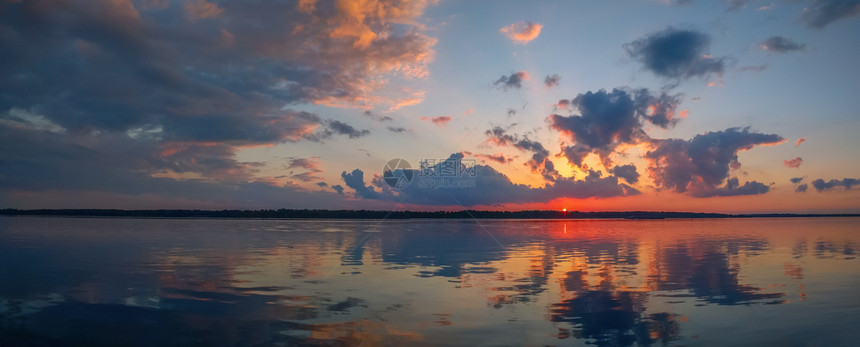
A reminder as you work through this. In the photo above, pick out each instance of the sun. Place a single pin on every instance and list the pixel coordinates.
(564, 210)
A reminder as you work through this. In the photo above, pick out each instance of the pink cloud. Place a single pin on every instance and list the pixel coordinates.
(440, 121)
(793, 163)
(498, 157)
(522, 32)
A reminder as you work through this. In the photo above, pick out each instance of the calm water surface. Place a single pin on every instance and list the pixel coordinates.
(166, 282)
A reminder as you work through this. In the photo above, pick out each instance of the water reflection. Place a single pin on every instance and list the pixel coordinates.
(245, 282)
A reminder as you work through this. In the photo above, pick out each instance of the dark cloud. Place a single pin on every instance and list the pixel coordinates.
(338, 188)
(342, 128)
(657, 109)
(781, 44)
(552, 80)
(793, 163)
(676, 54)
(490, 187)
(627, 172)
(824, 12)
(608, 119)
(753, 68)
(355, 180)
(515, 80)
(733, 188)
(735, 5)
(322, 184)
(376, 117)
(179, 90)
(796, 179)
(700, 165)
(42, 171)
(846, 183)
(286, 126)
(396, 129)
(801, 188)
(500, 137)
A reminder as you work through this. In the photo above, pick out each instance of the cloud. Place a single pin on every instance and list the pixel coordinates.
(311, 164)
(796, 179)
(168, 94)
(834, 184)
(322, 184)
(338, 188)
(801, 188)
(753, 68)
(440, 121)
(767, 7)
(342, 128)
(522, 32)
(733, 188)
(799, 141)
(781, 44)
(23, 119)
(500, 137)
(304, 163)
(609, 119)
(736, 5)
(627, 172)
(498, 157)
(397, 129)
(286, 126)
(355, 180)
(552, 80)
(793, 163)
(825, 12)
(515, 80)
(200, 9)
(698, 166)
(490, 188)
(376, 117)
(676, 54)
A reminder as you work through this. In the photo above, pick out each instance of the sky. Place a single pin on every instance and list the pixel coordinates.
(735, 106)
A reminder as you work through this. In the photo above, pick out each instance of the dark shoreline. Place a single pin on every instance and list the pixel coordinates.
(377, 214)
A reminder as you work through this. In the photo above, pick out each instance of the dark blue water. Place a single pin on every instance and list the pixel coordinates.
(173, 282)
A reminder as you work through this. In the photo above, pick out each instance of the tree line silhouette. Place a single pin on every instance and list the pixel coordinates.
(381, 214)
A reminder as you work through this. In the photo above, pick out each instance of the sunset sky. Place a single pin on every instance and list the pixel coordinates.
(728, 106)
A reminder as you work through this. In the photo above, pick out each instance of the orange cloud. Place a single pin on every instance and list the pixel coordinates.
(355, 17)
(794, 163)
(799, 141)
(522, 32)
(684, 113)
